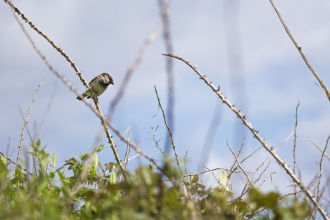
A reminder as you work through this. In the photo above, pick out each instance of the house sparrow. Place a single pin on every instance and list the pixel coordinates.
(99, 84)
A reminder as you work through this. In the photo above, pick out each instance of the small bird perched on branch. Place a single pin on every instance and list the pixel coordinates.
(99, 84)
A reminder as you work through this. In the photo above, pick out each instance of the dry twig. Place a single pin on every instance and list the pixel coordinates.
(258, 168)
(283, 142)
(156, 142)
(240, 166)
(169, 131)
(205, 171)
(327, 93)
(233, 170)
(269, 175)
(27, 128)
(295, 146)
(27, 118)
(321, 160)
(318, 147)
(13, 162)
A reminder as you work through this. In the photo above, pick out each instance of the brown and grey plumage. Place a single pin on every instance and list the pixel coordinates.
(99, 84)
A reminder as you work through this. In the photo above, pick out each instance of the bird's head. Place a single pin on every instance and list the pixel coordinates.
(107, 79)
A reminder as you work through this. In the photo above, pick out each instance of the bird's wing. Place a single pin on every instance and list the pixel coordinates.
(93, 80)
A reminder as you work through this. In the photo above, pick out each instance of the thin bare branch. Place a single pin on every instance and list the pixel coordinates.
(128, 150)
(13, 162)
(27, 117)
(111, 142)
(31, 139)
(327, 93)
(269, 175)
(239, 164)
(294, 146)
(197, 174)
(315, 180)
(320, 164)
(127, 131)
(258, 168)
(169, 131)
(316, 145)
(156, 142)
(283, 142)
(233, 170)
(23, 118)
(212, 173)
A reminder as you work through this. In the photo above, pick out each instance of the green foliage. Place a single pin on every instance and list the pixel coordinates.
(96, 192)
(292, 209)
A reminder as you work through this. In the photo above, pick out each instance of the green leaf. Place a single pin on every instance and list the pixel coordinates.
(37, 143)
(146, 175)
(83, 157)
(151, 167)
(52, 175)
(95, 161)
(53, 160)
(194, 178)
(60, 174)
(99, 148)
(42, 182)
(223, 179)
(71, 161)
(112, 178)
(66, 191)
(89, 195)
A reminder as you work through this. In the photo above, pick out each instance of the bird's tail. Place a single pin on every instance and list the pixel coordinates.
(81, 96)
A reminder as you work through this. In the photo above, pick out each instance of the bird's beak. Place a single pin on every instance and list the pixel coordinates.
(112, 83)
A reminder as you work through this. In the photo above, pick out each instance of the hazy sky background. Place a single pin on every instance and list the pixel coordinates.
(239, 45)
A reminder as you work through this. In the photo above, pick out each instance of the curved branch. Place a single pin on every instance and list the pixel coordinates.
(327, 93)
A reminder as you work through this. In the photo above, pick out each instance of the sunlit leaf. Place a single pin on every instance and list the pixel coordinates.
(95, 161)
(51, 175)
(53, 160)
(223, 179)
(151, 167)
(194, 178)
(112, 178)
(99, 148)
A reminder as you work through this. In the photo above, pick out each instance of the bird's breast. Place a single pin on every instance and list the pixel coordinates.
(99, 89)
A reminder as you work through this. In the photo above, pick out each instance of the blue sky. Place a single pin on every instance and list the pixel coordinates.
(239, 45)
